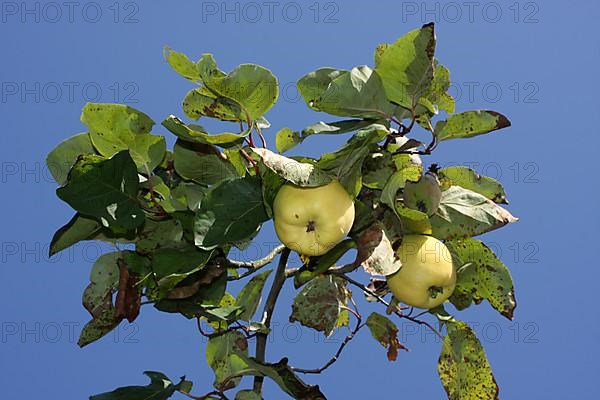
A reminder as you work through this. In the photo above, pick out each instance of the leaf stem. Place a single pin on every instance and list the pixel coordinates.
(261, 338)
(262, 137)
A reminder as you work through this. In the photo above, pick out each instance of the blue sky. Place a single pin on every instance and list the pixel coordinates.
(536, 62)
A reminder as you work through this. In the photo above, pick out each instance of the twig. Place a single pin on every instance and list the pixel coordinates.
(337, 354)
(387, 304)
(232, 328)
(261, 262)
(261, 338)
(206, 396)
(253, 266)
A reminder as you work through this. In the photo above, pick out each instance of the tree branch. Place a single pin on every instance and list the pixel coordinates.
(261, 338)
(387, 304)
(253, 266)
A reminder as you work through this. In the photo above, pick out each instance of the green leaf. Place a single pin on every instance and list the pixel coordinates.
(312, 85)
(223, 314)
(482, 276)
(249, 296)
(357, 93)
(463, 367)
(247, 395)
(235, 157)
(406, 170)
(61, 159)
(231, 212)
(271, 183)
(377, 169)
(406, 66)
(81, 228)
(98, 327)
(209, 294)
(190, 133)
(463, 213)
(379, 50)
(77, 229)
(413, 221)
(105, 189)
(318, 265)
(346, 163)
(386, 333)
(254, 87)
(470, 123)
(469, 179)
(160, 388)
(298, 173)
(208, 68)
(104, 278)
(116, 127)
(286, 139)
(115, 119)
(171, 266)
(157, 234)
(202, 164)
(182, 64)
(437, 94)
(283, 375)
(200, 102)
(320, 303)
(226, 355)
(97, 298)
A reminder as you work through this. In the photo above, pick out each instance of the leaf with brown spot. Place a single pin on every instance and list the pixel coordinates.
(226, 354)
(470, 123)
(320, 303)
(386, 333)
(375, 252)
(463, 366)
(469, 179)
(482, 277)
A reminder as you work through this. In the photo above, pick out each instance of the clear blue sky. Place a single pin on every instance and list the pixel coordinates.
(536, 62)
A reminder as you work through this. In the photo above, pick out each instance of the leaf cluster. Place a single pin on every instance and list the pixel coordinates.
(182, 211)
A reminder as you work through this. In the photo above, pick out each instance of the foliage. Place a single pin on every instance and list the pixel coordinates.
(183, 210)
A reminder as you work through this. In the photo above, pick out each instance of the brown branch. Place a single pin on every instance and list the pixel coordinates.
(261, 338)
